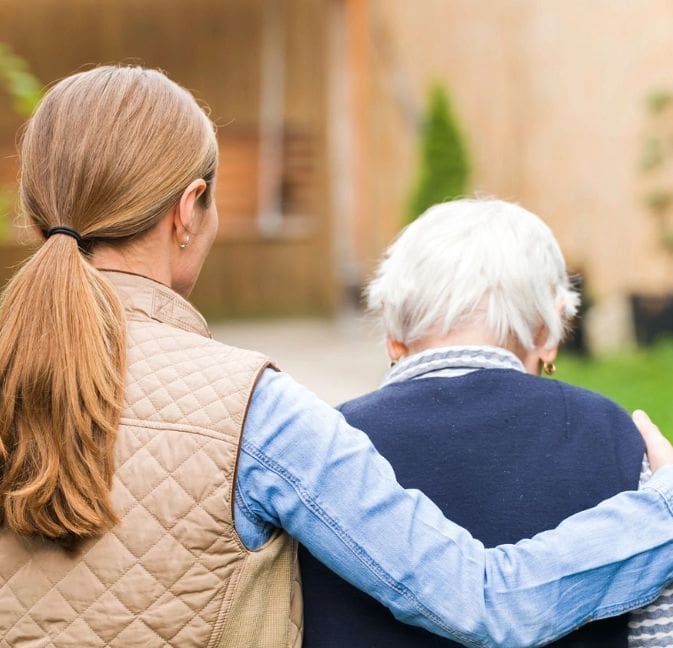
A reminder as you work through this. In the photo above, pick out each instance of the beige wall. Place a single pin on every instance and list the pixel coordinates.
(552, 99)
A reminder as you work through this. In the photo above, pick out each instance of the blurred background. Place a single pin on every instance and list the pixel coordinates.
(339, 120)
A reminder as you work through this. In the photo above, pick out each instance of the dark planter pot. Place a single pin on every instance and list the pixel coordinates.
(652, 317)
(576, 342)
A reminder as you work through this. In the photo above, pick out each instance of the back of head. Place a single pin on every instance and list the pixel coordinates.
(474, 262)
(106, 154)
(110, 150)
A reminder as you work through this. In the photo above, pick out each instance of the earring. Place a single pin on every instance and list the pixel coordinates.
(185, 243)
(549, 368)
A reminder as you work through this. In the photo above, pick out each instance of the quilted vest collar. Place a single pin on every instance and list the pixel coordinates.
(145, 297)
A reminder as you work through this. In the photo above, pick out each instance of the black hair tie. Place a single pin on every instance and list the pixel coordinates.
(68, 231)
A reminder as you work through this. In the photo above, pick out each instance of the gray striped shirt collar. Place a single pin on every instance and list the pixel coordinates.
(451, 362)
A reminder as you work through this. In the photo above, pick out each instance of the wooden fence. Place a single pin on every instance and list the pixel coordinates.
(215, 48)
(244, 278)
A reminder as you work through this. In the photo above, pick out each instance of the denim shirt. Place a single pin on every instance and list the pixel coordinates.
(303, 469)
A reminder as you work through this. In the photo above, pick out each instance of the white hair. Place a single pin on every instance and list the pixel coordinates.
(474, 261)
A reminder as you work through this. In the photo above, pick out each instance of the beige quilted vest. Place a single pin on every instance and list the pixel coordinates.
(173, 572)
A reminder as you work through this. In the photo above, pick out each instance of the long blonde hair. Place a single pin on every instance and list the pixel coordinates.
(107, 153)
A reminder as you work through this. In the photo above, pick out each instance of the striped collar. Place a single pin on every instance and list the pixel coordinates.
(451, 362)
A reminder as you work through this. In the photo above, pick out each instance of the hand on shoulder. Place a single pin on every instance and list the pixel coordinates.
(659, 449)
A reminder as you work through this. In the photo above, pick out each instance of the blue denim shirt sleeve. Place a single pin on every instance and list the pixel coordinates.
(303, 469)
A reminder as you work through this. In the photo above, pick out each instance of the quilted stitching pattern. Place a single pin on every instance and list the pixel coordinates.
(158, 578)
(181, 381)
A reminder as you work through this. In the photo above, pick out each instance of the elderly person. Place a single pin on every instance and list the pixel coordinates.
(154, 481)
(474, 299)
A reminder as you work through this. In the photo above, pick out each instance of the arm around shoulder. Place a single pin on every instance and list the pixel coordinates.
(302, 468)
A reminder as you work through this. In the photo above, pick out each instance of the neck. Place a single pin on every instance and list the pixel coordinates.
(124, 260)
(475, 336)
(459, 338)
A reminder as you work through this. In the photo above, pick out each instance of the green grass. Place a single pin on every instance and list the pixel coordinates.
(636, 380)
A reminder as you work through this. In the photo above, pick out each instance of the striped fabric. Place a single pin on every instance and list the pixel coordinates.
(652, 626)
(450, 362)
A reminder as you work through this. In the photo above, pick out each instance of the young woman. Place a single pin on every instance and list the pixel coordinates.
(153, 482)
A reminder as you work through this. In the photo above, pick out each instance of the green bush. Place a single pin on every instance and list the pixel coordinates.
(25, 89)
(444, 165)
(17, 79)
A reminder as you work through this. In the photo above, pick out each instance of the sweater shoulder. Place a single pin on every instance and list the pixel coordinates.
(506, 390)
(582, 401)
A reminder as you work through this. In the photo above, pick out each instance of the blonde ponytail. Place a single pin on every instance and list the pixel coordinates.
(62, 358)
(106, 154)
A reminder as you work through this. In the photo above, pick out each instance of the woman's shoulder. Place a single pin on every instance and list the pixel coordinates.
(167, 366)
(152, 338)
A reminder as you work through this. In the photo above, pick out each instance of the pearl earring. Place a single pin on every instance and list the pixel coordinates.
(185, 243)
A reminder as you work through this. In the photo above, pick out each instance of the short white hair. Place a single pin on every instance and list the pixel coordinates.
(467, 261)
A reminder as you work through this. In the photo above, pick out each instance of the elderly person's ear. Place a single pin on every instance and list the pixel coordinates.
(541, 357)
(396, 350)
(547, 360)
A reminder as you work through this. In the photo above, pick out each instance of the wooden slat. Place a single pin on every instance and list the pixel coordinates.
(237, 176)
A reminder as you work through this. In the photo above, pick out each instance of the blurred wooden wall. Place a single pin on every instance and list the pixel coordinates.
(212, 47)
(552, 98)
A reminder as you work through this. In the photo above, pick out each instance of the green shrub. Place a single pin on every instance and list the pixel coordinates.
(444, 165)
(17, 79)
(25, 89)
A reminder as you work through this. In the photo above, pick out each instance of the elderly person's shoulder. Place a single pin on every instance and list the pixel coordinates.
(591, 412)
(553, 405)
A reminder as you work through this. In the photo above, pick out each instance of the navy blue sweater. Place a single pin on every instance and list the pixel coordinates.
(503, 454)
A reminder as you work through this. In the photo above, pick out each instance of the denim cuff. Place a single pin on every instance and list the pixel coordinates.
(662, 482)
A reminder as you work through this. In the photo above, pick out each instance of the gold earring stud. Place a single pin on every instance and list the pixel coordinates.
(549, 368)
(185, 243)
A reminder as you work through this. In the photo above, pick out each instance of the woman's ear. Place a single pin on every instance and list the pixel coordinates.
(185, 213)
